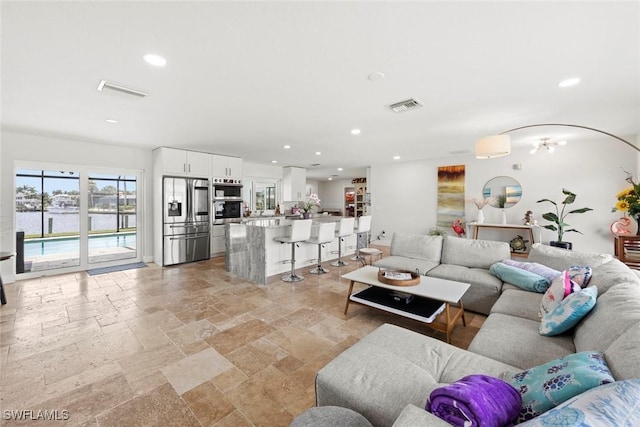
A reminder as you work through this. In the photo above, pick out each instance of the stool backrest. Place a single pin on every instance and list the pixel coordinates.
(326, 232)
(301, 230)
(346, 226)
(364, 223)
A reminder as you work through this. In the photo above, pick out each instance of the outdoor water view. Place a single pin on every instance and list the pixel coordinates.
(48, 219)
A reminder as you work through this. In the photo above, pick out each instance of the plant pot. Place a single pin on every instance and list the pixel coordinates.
(563, 245)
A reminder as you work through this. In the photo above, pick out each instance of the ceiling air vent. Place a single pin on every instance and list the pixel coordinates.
(105, 85)
(457, 152)
(402, 106)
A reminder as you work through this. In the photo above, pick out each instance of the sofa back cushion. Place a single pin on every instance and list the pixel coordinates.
(611, 274)
(562, 259)
(473, 253)
(418, 246)
(622, 355)
(615, 312)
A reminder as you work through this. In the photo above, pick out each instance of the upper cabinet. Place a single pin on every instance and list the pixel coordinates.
(226, 167)
(184, 163)
(294, 184)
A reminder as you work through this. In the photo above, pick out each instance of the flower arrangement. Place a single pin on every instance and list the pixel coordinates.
(629, 198)
(311, 203)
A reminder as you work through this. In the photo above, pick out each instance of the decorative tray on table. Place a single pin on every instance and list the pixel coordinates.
(399, 277)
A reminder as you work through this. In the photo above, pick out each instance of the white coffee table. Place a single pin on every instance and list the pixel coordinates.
(431, 297)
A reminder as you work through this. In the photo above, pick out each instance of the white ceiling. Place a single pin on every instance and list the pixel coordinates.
(246, 78)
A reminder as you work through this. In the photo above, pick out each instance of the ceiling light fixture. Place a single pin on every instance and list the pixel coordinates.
(484, 145)
(340, 169)
(111, 121)
(274, 161)
(329, 179)
(318, 153)
(547, 144)
(155, 60)
(396, 157)
(569, 82)
(286, 147)
(355, 131)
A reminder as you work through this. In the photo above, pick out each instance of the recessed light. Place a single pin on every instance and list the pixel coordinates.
(340, 169)
(318, 153)
(355, 131)
(376, 76)
(396, 157)
(330, 179)
(155, 60)
(569, 82)
(111, 121)
(286, 147)
(274, 161)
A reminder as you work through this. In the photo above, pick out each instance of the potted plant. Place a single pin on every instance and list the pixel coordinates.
(558, 218)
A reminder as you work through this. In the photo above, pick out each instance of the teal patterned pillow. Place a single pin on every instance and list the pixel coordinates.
(568, 312)
(548, 385)
(614, 404)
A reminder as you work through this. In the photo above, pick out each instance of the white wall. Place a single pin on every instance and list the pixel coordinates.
(404, 195)
(33, 148)
(331, 193)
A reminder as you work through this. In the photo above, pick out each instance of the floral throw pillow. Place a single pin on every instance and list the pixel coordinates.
(561, 287)
(546, 386)
(566, 314)
(613, 404)
(580, 275)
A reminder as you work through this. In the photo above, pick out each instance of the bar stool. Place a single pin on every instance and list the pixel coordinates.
(300, 231)
(326, 233)
(344, 229)
(364, 225)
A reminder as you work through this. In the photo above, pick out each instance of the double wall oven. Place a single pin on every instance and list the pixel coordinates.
(227, 199)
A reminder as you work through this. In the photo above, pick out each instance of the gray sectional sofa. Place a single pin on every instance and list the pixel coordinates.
(389, 374)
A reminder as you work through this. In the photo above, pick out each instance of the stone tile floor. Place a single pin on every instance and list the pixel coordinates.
(188, 345)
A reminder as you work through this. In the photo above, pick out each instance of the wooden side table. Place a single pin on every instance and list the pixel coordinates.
(526, 229)
(627, 249)
(4, 256)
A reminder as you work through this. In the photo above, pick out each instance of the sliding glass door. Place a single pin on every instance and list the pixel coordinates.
(75, 218)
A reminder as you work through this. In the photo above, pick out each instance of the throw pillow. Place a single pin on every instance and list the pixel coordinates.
(566, 314)
(581, 275)
(613, 404)
(560, 288)
(519, 277)
(534, 267)
(546, 386)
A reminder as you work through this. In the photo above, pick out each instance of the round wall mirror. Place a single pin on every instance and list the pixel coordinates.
(504, 191)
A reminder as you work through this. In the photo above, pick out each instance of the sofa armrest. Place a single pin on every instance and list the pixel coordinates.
(412, 416)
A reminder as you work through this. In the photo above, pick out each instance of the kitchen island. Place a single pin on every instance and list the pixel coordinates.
(252, 252)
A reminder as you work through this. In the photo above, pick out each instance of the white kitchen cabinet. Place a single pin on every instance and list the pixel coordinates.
(226, 167)
(218, 244)
(294, 184)
(184, 163)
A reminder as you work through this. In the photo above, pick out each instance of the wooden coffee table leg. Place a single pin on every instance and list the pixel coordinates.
(464, 321)
(346, 307)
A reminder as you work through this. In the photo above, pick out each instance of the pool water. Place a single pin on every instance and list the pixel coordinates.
(40, 247)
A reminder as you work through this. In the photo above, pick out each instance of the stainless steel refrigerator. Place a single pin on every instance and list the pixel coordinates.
(186, 229)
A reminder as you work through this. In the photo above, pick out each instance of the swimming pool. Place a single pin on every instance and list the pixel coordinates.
(61, 245)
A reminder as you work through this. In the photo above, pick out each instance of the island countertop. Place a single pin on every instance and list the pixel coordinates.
(253, 252)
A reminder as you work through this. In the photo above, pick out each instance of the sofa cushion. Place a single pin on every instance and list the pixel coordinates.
(580, 275)
(546, 386)
(522, 278)
(610, 274)
(563, 259)
(419, 246)
(615, 312)
(622, 354)
(406, 263)
(516, 302)
(510, 340)
(412, 416)
(613, 404)
(473, 253)
(568, 312)
(392, 367)
(484, 290)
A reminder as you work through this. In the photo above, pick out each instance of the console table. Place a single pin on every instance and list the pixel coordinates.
(527, 230)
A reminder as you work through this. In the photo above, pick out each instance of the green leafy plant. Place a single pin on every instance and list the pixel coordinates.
(558, 218)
